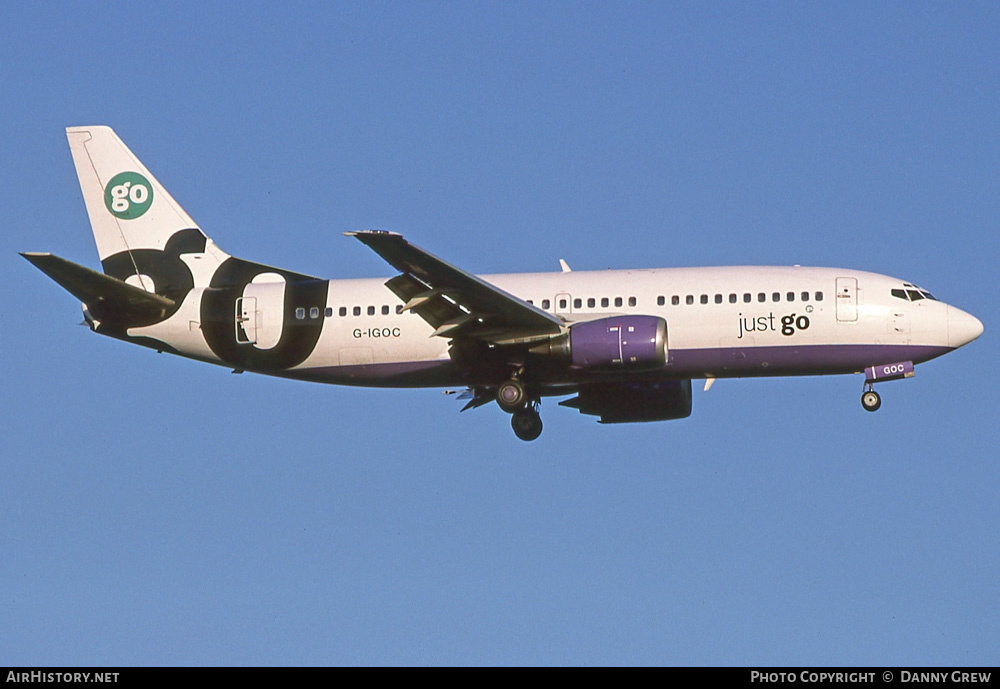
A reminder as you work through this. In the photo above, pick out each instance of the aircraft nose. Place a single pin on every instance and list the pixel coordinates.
(963, 327)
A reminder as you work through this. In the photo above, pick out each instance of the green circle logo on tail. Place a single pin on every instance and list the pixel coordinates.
(128, 195)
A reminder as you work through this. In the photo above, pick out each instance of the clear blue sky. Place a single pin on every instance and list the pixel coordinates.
(155, 510)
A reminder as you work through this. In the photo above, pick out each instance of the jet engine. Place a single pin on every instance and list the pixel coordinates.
(614, 343)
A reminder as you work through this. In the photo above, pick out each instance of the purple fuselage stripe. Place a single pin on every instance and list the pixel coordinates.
(734, 362)
(729, 362)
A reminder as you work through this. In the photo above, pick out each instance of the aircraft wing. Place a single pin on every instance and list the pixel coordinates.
(456, 303)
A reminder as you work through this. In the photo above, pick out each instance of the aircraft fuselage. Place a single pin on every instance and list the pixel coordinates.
(740, 322)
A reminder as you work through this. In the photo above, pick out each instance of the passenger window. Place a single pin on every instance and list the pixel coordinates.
(689, 299)
(546, 303)
(385, 309)
(300, 313)
(371, 310)
(562, 304)
(577, 303)
(819, 296)
(746, 297)
(618, 301)
(675, 300)
(631, 301)
(660, 301)
(791, 296)
(805, 296)
(732, 298)
(761, 297)
(530, 301)
(357, 310)
(775, 296)
(704, 299)
(604, 301)
(399, 309)
(314, 312)
(718, 298)
(329, 311)
(343, 311)
(591, 302)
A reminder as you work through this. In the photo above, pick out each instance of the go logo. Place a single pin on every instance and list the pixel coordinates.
(791, 323)
(128, 195)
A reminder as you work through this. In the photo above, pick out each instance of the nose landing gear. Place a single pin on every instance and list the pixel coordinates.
(882, 372)
(870, 399)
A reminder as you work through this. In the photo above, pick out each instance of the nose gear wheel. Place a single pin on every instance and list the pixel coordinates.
(870, 400)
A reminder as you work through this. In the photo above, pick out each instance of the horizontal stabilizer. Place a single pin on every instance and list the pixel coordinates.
(108, 299)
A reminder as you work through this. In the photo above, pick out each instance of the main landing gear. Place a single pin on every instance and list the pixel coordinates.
(511, 395)
(513, 398)
(527, 423)
(870, 399)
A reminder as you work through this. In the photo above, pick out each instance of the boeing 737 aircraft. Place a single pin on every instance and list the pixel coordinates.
(626, 343)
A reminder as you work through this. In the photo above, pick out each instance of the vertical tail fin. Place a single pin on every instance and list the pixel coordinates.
(140, 231)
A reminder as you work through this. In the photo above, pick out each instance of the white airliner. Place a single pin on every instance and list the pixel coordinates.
(626, 343)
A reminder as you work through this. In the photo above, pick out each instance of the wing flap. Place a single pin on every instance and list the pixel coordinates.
(453, 301)
(432, 305)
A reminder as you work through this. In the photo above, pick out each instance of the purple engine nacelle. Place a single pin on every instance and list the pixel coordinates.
(619, 342)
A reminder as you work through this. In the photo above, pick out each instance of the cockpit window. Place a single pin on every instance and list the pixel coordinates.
(913, 294)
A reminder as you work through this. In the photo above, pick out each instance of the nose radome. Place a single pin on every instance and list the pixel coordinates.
(963, 327)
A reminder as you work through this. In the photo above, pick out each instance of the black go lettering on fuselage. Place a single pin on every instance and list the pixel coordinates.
(172, 278)
(298, 336)
(790, 324)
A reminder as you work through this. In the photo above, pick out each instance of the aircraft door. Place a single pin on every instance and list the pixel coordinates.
(246, 320)
(847, 300)
(262, 311)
